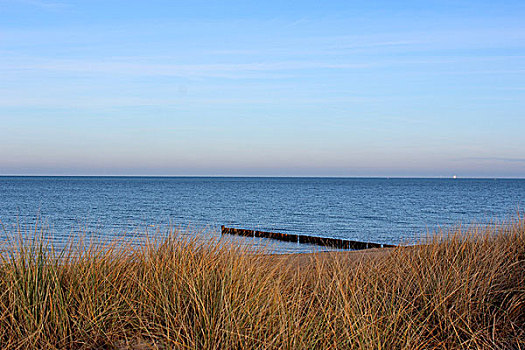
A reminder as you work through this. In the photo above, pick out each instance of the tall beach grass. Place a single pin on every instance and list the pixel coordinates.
(461, 290)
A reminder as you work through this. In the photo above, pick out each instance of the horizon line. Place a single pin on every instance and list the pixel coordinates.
(280, 176)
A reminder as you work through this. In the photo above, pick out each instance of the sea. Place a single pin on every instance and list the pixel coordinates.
(379, 210)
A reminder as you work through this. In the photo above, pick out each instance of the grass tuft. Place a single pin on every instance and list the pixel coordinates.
(460, 290)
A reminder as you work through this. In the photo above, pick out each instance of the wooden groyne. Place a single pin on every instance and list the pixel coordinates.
(304, 239)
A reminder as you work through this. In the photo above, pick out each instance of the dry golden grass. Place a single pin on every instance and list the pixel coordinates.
(462, 291)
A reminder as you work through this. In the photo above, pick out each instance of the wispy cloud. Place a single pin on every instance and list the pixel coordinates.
(318, 47)
(157, 66)
(226, 70)
(175, 102)
(492, 159)
(49, 5)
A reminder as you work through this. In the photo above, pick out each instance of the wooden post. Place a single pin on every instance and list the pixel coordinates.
(305, 239)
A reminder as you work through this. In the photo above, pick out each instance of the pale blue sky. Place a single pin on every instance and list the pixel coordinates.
(305, 88)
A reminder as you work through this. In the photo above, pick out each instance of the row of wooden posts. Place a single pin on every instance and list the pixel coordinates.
(304, 239)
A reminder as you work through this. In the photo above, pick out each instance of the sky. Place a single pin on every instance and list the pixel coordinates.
(262, 88)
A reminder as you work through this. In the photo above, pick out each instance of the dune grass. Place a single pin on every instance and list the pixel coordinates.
(462, 290)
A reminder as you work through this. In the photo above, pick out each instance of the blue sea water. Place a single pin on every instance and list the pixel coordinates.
(378, 210)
